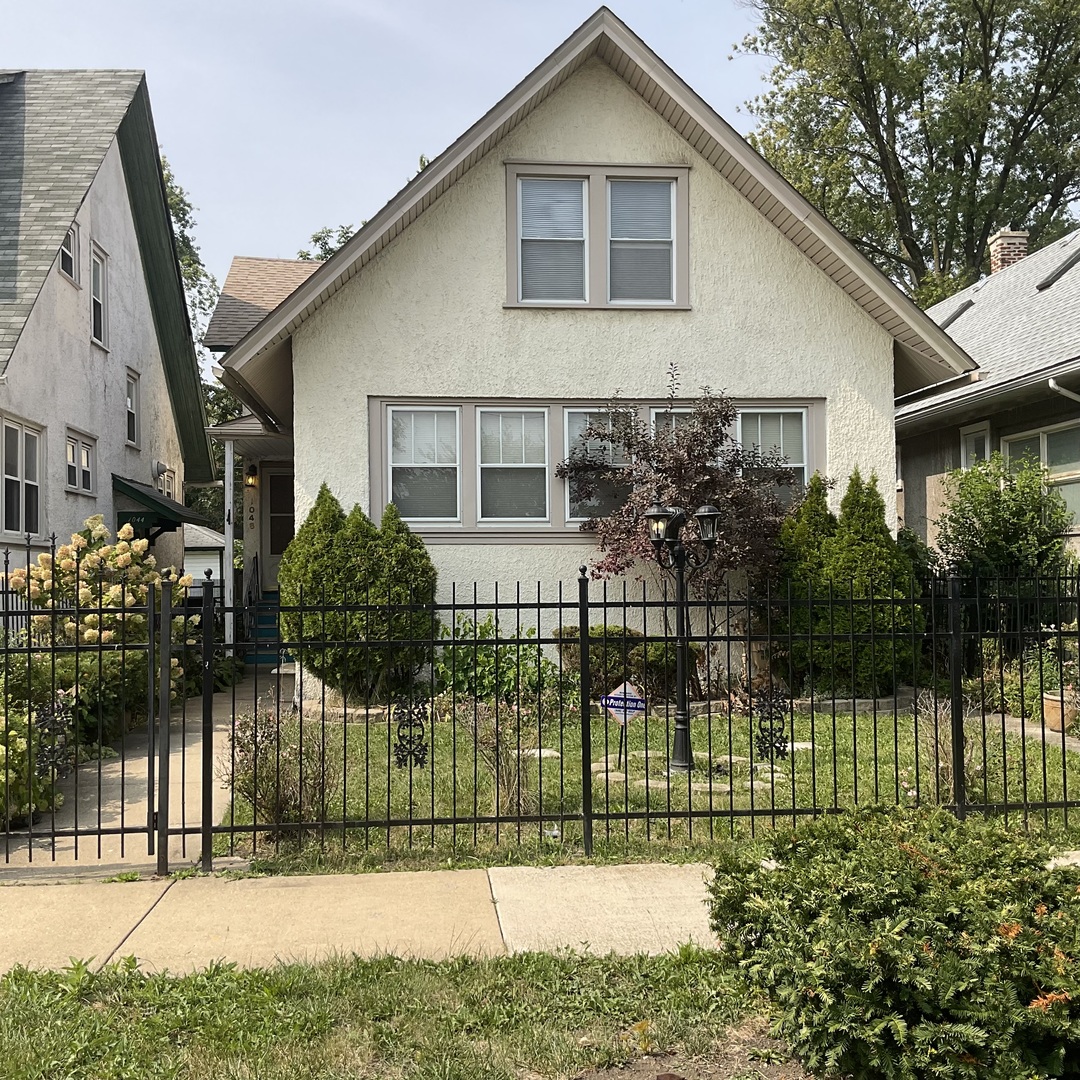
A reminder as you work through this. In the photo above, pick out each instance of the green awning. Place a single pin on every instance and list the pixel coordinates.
(156, 512)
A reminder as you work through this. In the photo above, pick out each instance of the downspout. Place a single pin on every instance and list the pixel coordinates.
(1052, 383)
(228, 576)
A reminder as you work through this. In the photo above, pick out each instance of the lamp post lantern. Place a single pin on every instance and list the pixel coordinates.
(665, 524)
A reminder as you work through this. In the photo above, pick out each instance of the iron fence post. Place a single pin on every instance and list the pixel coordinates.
(164, 694)
(208, 724)
(586, 711)
(151, 749)
(956, 687)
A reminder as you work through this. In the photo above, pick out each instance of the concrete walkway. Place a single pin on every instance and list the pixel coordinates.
(186, 924)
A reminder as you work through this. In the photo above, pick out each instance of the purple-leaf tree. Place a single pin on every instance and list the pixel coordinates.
(623, 463)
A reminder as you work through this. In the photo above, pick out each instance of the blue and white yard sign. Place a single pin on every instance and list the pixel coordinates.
(624, 703)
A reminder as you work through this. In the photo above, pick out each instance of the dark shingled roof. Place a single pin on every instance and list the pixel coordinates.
(55, 129)
(252, 289)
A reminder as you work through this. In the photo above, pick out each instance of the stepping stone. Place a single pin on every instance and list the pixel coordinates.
(604, 764)
(716, 789)
(792, 746)
(733, 759)
(543, 752)
(652, 785)
(616, 777)
(757, 785)
(647, 755)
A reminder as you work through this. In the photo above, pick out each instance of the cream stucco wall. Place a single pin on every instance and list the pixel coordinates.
(58, 379)
(426, 319)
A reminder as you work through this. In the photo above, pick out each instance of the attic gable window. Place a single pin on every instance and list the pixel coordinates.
(597, 236)
(69, 255)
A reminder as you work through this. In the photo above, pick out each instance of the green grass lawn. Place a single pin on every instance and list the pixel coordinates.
(498, 1019)
(639, 811)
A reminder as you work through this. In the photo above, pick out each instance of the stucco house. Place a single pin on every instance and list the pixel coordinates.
(1021, 323)
(597, 223)
(100, 398)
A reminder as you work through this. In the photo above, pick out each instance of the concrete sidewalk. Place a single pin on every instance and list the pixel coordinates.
(186, 924)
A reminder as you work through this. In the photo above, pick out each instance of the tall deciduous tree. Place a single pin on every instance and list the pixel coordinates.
(200, 286)
(921, 127)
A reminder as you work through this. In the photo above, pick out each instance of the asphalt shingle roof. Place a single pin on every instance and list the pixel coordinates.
(55, 129)
(252, 289)
(1012, 328)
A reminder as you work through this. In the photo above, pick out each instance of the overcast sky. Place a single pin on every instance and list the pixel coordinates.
(280, 116)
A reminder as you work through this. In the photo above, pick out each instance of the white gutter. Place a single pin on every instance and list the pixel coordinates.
(1052, 383)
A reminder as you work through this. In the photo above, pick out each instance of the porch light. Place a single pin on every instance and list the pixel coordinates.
(251, 477)
(657, 517)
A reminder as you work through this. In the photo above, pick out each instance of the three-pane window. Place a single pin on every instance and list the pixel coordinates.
(80, 463)
(513, 464)
(99, 297)
(424, 463)
(22, 491)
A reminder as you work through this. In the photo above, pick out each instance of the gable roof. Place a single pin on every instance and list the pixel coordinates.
(252, 289)
(924, 354)
(1021, 325)
(55, 130)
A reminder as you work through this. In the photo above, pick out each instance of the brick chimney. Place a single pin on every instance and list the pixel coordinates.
(1006, 248)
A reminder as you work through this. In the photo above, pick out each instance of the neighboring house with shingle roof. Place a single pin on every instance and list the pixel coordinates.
(600, 222)
(100, 398)
(1021, 324)
(252, 289)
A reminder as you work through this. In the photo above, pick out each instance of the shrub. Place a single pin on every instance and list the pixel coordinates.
(287, 774)
(1003, 519)
(619, 654)
(474, 663)
(858, 639)
(362, 600)
(905, 946)
(26, 770)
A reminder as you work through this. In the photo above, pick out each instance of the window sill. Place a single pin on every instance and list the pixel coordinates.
(99, 344)
(132, 446)
(70, 280)
(552, 305)
(80, 491)
(511, 537)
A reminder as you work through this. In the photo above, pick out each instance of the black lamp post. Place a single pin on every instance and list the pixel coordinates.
(665, 524)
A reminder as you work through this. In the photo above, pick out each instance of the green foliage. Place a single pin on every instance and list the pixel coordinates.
(355, 585)
(325, 242)
(920, 129)
(1002, 520)
(1016, 684)
(200, 288)
(909, 946)
(25, 774)
(618, 654)
(220, 406)
(856, 640)
(474, 663)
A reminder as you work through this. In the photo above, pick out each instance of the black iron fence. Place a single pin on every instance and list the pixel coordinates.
(543, 718)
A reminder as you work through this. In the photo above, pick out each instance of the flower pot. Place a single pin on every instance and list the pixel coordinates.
(1057, 716)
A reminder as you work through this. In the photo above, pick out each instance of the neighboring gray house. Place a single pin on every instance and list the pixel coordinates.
(100, 400)
(1021, 324)
(598, 223)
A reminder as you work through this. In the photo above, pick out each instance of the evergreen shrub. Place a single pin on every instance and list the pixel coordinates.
(357, 601)
(908, 945)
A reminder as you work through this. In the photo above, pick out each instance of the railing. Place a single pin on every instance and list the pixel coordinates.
(544, 718)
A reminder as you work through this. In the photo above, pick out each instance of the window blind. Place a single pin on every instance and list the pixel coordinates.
(641, 249)
(552, 239)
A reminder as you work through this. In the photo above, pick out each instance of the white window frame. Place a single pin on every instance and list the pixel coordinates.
(535, 410)
(39, 435)
(98, 256)
(166, 484)
(596, 179)
(982, 428)
(610, 240)
(85, 448)
(1056, 480)
(132, 382)
(589, 410)
(585, 245)
(391, 465)
(70, 246)
(803, 411)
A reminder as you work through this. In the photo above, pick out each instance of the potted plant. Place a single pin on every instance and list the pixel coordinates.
(1059, 671)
